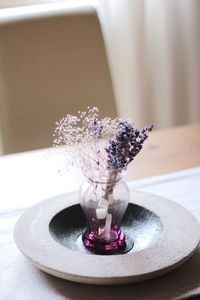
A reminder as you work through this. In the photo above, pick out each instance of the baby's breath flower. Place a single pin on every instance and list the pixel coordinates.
(78, 139)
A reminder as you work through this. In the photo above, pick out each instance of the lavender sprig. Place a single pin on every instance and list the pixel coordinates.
(126, 145)
(82, 136)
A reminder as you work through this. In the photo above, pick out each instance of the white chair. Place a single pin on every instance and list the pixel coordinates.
(53, 62)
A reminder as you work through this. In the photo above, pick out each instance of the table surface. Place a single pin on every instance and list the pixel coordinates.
(32, 176)
(27, 178)
(184, 282)
(168, 150)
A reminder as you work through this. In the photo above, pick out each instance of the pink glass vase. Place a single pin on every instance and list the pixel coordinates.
(104, 204)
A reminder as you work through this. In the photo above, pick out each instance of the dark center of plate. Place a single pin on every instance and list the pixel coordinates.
(141, 226)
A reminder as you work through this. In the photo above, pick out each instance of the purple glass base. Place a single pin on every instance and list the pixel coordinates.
(90, 241)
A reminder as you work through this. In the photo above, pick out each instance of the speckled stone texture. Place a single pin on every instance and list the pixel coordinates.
(175, 243)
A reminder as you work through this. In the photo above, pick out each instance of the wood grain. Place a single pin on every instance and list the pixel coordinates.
(167, 150)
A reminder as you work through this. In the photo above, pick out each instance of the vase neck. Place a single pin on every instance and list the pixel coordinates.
(110, 179)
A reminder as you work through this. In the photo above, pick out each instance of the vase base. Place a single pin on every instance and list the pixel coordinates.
(119, 246)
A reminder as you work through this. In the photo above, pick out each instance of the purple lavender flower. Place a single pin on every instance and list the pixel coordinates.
(97, 128)
(83, 136)
(127, 144)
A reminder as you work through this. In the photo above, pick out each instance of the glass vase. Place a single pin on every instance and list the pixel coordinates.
(104, 204)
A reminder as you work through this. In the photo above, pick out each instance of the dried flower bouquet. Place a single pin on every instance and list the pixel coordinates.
(103, 148)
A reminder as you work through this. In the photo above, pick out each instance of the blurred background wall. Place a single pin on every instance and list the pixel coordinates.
(53, 62)
(152, 50)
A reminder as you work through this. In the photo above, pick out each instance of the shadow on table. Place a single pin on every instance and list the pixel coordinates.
(178, 283)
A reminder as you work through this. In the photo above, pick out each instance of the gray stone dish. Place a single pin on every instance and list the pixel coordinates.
(160, 236)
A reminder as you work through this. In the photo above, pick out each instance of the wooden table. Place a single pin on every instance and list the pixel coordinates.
(167, 150)
(16, 271)
(30, 177)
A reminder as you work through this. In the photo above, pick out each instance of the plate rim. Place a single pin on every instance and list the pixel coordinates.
(127, 262)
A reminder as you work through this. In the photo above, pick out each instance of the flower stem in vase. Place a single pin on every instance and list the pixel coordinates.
(104, 196)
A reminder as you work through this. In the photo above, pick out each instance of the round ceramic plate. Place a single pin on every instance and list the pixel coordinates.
(160, 236)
